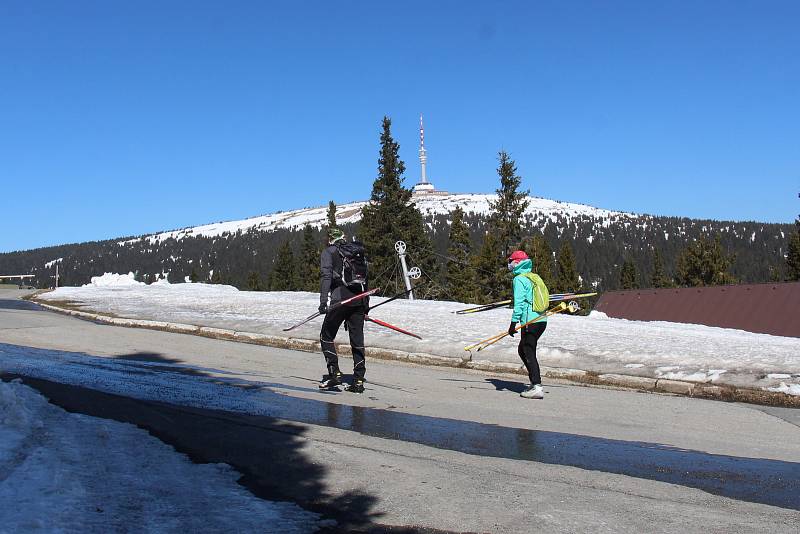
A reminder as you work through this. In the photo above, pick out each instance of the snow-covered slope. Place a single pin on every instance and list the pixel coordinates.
(538, 209)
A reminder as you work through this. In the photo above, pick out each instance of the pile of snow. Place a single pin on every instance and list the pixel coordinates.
(790, 389)
(70, 472)
(114, 280)
(595, 343)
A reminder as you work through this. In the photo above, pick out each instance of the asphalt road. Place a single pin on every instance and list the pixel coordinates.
(459, 451)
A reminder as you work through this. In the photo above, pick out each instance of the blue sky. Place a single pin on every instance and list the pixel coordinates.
(127, 118)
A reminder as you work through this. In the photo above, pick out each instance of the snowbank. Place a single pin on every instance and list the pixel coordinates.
(791, 389)
(70, 472)
(596, 343)
(114, 280)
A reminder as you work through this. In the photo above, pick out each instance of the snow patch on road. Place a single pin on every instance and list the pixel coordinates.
(62, 472)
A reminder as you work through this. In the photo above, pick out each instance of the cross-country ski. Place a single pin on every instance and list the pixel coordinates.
(558, 297)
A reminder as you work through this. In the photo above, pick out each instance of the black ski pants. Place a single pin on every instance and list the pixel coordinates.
(527, 349)
(353, 317)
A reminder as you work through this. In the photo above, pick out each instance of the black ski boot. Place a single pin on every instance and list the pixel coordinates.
(331, 382)
(357, 386)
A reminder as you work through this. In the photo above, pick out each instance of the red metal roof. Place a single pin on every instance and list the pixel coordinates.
(763, 308)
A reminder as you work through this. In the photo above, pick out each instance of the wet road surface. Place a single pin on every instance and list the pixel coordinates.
(765, 481)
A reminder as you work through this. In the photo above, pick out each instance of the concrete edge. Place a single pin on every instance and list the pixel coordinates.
(722, 392)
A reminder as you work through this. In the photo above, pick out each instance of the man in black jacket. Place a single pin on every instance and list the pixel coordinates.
(332, 282)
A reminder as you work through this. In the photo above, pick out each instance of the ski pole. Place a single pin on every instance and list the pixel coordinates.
(555, 297)
(483, 307)
(333, 307)
(569, 296)
(391, 326)
(552, 311)
(395, 297)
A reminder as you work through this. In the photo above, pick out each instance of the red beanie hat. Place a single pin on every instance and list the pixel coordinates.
(518, 255)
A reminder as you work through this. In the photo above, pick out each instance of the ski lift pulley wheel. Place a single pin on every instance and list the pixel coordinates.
(414, 273)
(400, 247)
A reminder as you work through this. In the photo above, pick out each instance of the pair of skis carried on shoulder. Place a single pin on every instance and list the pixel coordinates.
(555, 297)
(356, 298)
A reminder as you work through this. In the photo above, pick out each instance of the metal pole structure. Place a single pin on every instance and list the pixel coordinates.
(56, 276)
(400, 247)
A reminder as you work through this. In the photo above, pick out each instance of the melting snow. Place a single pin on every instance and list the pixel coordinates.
(597, 342)
(70, 472)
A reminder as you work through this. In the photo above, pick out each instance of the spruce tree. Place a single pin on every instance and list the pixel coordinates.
(216, 278)
(704, 263)
(459, 276)
(309, 261)
(193, 277)
(391, 216)
(659, 277)
(567, 279)
(629, 276)
(503, 233)
(494, 280)
(254, 281)
(540, 253)
(508, 209)
(284, 275)
(331, 215)
(793, 254)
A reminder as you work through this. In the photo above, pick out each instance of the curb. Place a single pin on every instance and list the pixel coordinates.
(723, 392)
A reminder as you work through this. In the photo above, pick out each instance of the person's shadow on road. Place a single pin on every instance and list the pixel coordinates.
(506, 385)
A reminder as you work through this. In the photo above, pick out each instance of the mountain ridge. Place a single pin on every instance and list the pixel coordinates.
(601, 240)
(349, 213)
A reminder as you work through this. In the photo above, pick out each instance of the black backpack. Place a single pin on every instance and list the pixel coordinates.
(354, 264)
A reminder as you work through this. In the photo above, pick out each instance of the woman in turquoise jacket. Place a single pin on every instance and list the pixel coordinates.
(520, 264)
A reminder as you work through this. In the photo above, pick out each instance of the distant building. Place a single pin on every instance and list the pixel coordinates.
(424, 187)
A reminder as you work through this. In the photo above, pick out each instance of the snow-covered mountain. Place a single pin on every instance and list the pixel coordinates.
(600, 239)
(540, 210)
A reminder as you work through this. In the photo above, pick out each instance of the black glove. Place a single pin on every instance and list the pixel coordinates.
(512, 329)
(323, 308)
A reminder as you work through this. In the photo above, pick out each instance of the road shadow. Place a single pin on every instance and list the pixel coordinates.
(161, 363)
(507, 385)
(19, 304)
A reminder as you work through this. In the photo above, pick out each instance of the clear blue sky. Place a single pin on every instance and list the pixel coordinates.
(123, 118)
